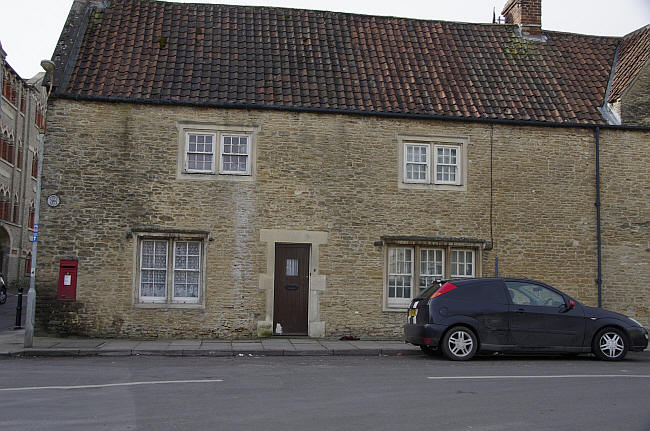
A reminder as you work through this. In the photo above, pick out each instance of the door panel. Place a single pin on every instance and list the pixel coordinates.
(539, 319)
(291, 290)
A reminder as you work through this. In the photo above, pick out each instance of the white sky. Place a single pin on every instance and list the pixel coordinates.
(29, 29)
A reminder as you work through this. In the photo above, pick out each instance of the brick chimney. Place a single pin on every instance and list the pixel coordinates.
(525, 13)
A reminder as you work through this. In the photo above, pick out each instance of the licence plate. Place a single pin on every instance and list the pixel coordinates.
(413, 312)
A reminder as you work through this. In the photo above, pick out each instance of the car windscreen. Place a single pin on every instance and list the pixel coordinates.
(426, 293)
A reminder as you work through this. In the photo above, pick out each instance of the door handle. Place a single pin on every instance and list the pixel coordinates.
(521, 310)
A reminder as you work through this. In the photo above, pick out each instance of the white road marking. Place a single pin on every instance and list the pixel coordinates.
(108, 385)
(562, 376)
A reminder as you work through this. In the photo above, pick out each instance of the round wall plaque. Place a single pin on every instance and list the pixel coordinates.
(53, 200)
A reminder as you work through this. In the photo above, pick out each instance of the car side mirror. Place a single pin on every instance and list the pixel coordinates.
(566, 307)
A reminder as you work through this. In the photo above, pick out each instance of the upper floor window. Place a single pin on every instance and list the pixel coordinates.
(447, 164)
(7, 148)
(28, 263)
(9, 88)
(23, 100)
(35, 165)
(417, 163)
(32, 214)
(5, 205)
(39, 117)
(200, 152)
(216, 152)
(432, 163)
(235, 155)
(16, 209)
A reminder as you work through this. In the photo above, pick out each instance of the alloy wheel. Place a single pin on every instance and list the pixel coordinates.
(611, 344)
(460, 343)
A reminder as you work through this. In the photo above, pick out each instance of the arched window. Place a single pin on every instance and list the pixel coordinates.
(23, 100)
(4, 146)
(16, 209)
(19, 160)
(32, 211)
(2, 204)
(7, 206)
(28, 263)
(35, 165)
(10, 151)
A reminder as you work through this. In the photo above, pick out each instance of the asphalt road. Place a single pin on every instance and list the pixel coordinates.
(324, 393)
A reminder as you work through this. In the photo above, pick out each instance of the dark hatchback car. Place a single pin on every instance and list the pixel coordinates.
(462, 317)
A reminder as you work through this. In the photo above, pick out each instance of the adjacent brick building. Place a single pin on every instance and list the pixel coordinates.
(22, 117)
(231, 172)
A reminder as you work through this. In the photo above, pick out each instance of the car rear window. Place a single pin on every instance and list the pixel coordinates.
(429, 290)
(484, 291)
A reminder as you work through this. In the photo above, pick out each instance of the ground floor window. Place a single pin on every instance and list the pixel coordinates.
(170, 270)
(412, 268)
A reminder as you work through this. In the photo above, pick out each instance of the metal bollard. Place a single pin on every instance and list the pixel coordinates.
(19, 309)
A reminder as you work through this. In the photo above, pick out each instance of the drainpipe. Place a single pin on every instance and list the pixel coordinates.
(599, 280)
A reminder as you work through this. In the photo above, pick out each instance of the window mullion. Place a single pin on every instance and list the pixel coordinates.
(447, 265)
(416, 271)
(170, 273)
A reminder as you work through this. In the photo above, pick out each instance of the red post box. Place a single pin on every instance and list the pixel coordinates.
(68, 280)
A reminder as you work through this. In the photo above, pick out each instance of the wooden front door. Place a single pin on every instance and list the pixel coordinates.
(291, 290)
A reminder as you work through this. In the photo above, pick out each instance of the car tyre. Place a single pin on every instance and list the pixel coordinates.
(430, 351)
(459, 344)
(3, 295)
(610, 344)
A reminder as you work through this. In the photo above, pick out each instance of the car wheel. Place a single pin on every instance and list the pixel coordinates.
(430, 351)
(610, 344)
(3, 295)
(459, 344)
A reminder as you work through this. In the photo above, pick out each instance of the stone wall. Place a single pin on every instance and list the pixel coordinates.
(625, 196)
(114, 168)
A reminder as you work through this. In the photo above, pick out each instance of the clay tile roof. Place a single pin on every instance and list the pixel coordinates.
(218, 55)
(633, 54)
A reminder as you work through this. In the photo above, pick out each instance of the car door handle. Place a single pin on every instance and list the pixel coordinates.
(521, 310)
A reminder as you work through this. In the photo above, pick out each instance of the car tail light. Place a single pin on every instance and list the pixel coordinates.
(447, 287)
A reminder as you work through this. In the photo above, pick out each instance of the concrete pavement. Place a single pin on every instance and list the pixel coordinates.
(11, 345)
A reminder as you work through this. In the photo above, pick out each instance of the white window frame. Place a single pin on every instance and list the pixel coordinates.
(172, 288)
(436, 276)
(400, 301)
(399, 304)
(461, 145)
(186, 128)
(427, 163)
(473, 262)
(222, 169)
(169, 301)
(153, 299)
(456, 165)
(187, 152)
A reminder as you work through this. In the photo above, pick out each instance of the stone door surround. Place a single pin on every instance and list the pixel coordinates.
(316, 327)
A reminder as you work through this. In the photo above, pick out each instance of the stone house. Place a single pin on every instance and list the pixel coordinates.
(22, 117)
(230, 172)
